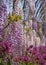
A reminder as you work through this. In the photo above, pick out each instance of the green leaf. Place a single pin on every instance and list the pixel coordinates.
(29, 63)
(8, 62)
(1, 63)
(22, 63)
(0, 60)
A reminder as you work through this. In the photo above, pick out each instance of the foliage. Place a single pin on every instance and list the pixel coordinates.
(14, 18)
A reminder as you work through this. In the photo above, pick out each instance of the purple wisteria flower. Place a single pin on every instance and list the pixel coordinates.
(6, 48)
(25, 59)
(3, 15)
(15, 36)
(34, 25)
(38, 55)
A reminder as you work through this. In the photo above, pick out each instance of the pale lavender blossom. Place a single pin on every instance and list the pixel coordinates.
(3, 15)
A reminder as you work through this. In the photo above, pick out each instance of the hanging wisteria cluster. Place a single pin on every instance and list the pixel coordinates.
(3, 15)
(22, 40)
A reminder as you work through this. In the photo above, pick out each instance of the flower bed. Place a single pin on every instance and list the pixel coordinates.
(33, 56)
